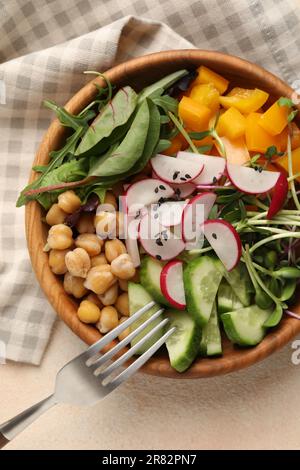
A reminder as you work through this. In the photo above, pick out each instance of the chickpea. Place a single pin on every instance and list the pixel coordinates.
(108, 319)
(69, 201)
(88, 312)
(74, 285)
(86, 223)
(98, 260)
(90, 243)
(120, 226)
(55, 215)
(125, 332)
(122, 304)
(60, 237)
(110, 199)
(123, 285)
(57, 261)
(105, 224)
(99, 279)
(122, 267)
(78, 262)
(113, 249)
(95, 299)
(110, 296)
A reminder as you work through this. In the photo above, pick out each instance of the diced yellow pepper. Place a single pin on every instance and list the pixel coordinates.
(231, 124)
(206, 94)
(274, 120)
(194, 115)
(282, 162)
(236, 150)
(176, 146)
(206, 75)
(245, 100)
(257, 139)
(295, 139)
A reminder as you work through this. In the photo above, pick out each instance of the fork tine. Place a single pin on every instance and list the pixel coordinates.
(138, 363)
(109, 354)
(118, 362)
(96, 347)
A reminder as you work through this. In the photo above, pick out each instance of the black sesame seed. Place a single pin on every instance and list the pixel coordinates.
(214, 180)
(158, 257)
(182, 179)
(175, 174)
(188, 176)
(260, 169)
(162, 187)
(159, 242)
(156, 216)
(214, 235)
(156, 190)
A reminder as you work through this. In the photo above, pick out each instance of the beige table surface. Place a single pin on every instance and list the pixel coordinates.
(255, 408)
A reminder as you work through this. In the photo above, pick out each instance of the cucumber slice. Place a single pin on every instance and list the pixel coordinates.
(246, 325)
(150, 278)
(202, 278)
(227, 300)
(240, 283)
(211, 344)
(138, 297)
(183, 344)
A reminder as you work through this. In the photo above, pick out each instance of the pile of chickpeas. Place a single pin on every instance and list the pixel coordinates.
(96, 270)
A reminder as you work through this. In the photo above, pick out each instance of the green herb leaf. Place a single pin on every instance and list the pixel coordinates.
(283, 101)
(162, 145)
(123, 157)
(204, 148)
(199, 135)
(67, 119)
(164, 119)
(167, 103)
(115, 114)
(292, 115)
(161, 85)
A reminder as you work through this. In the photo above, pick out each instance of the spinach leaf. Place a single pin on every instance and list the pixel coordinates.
(161, 85)
(162, 144)
(67, 119)
(114, 114)
(122, 158)
(167, 103)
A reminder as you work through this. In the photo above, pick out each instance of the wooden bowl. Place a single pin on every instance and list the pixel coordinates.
(138, 73)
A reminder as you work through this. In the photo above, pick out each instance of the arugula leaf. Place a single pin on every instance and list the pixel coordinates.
(204, 148)
(124, 156)
(162, 144)
(283, 101)
(292, 115)
(199, 135)
(115, 114)
(161, 85)
(164, 119)
(67, 119)
(167, 103)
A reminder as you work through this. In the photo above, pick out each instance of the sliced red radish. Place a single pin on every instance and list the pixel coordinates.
(171, 284)
(183, 191)
(225, 241)
(214, 167)
(250, 180)
(170, 212)
(146, 192)
(174, 170)
(158, 241)
(193, 216)
(279, 196)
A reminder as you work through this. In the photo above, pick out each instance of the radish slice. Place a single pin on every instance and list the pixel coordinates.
(173, 170)
(170, 213)
(225, 241)
(171, 284)
(183, 191)
(158, 241)
(146, 192)
(279, 196)
(214, 167)
(251, 181)
(193, 216)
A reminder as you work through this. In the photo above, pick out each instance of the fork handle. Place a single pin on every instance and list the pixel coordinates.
(14, 426)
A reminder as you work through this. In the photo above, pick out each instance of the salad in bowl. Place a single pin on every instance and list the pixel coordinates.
(184, 193)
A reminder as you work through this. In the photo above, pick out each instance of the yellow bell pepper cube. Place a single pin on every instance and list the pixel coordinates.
(295, 138)
(245, 100)
(206, 75)
(274, 120)
(194, 115)
(236, 150)
(282, 162)
(232, 124)
(257, 139)
(176, 146)
(206, 94)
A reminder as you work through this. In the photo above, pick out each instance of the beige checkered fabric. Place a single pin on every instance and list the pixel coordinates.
(45, 46)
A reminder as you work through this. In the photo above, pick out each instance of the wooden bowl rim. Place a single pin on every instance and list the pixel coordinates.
(35, 230)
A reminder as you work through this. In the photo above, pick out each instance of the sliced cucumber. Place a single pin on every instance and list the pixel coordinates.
(240, 282)
(211, 344)
(150, 278)
(183, 344)
(202, 278)
(138, 297)
(246, 325)
(227, 300)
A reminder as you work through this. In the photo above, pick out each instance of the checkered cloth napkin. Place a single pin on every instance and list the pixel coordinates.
(45, 46)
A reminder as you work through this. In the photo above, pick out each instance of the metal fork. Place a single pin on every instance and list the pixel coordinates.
(89, 377)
